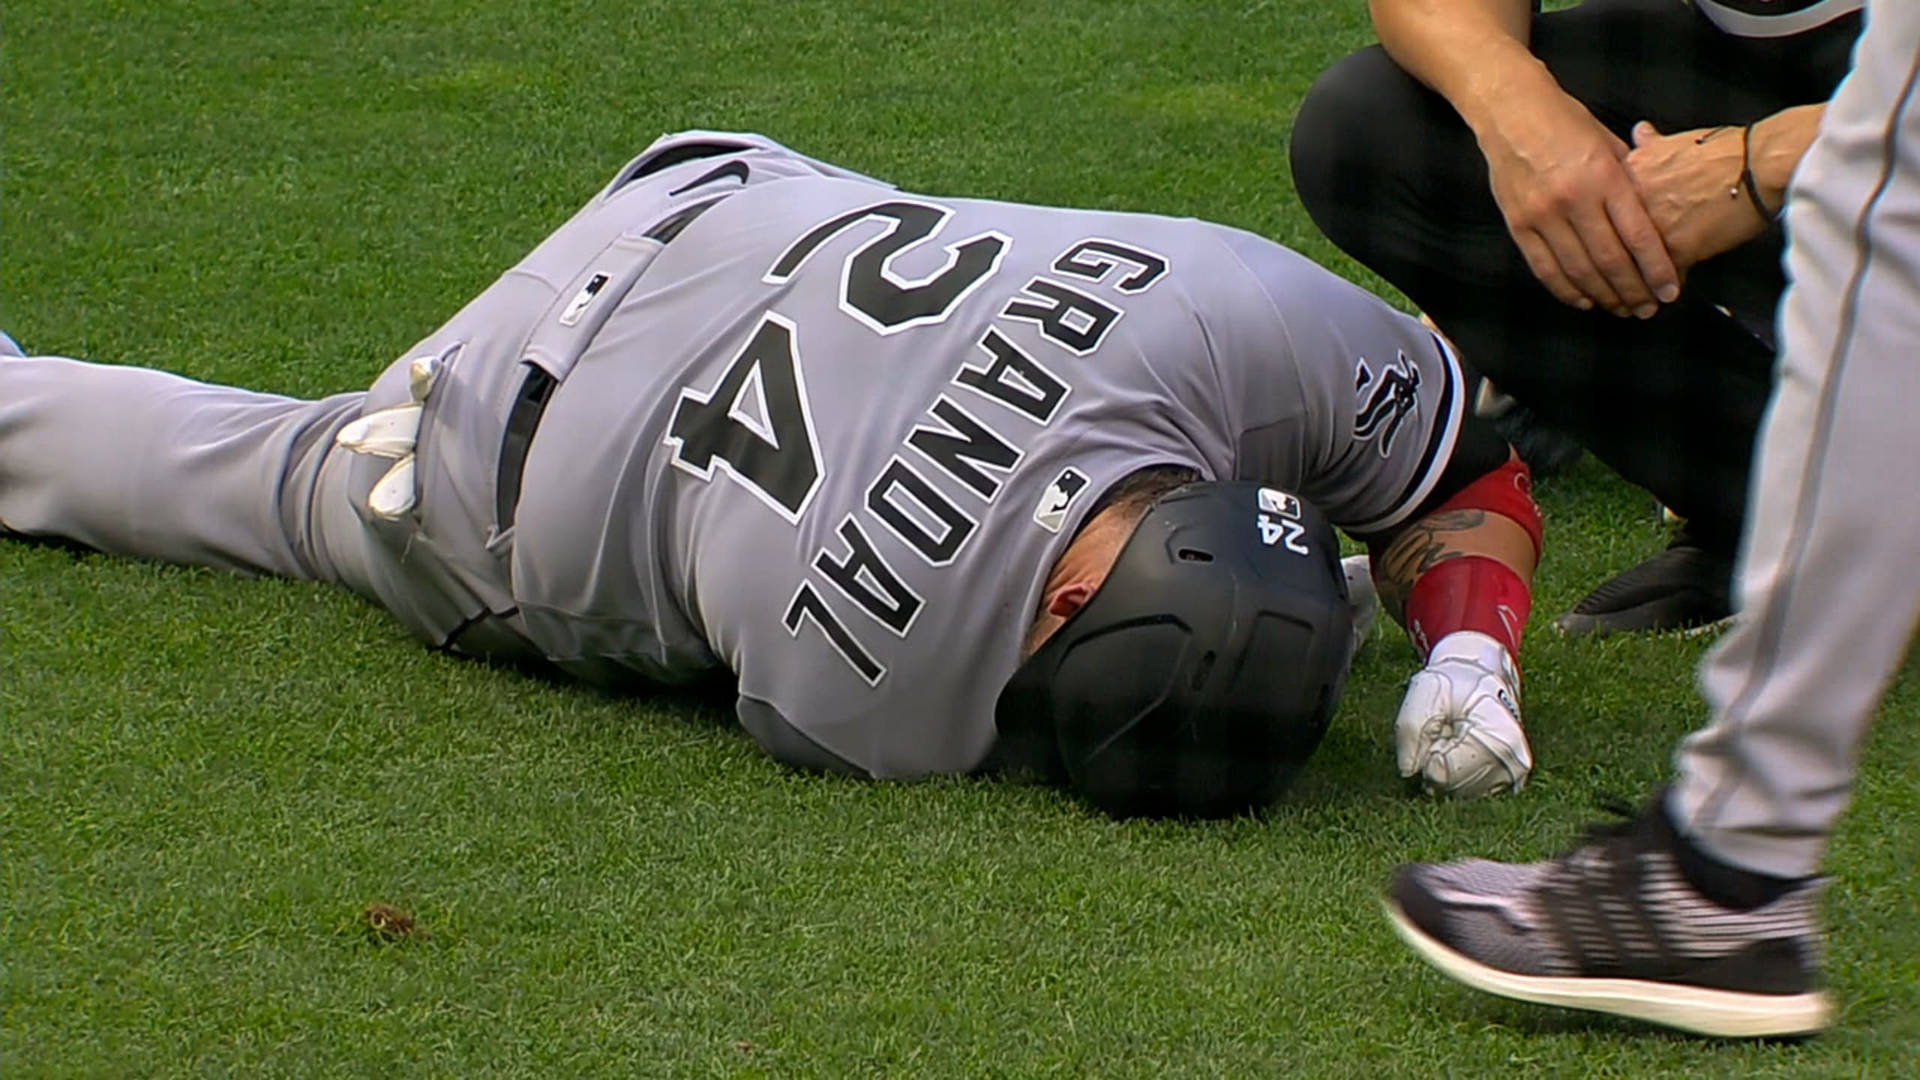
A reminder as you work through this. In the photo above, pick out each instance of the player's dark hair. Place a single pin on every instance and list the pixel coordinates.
(1133, 493)
(1140, 488)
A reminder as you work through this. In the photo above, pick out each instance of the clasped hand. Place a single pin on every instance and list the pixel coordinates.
(1605, 225)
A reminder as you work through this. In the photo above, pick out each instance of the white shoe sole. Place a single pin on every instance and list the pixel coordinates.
(1707, 629)
(1703, 1011)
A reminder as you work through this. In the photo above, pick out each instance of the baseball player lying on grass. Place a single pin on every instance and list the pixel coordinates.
(945, 484)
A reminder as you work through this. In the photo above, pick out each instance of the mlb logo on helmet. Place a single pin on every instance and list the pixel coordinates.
(1274, 501)
(1279, 521)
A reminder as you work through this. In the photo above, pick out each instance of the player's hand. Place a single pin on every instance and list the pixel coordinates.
(1689, 182)
(1561, 181)
(1459, 725)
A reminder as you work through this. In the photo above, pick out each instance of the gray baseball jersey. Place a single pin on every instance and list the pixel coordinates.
(747, 411)
(834, 436)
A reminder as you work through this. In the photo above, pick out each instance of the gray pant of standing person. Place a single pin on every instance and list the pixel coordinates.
(1702, 913)
(1828, 586)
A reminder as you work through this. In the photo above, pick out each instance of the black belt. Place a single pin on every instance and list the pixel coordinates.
(536, 390)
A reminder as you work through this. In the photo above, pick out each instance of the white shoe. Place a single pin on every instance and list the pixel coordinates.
(1490, 402)
(1361, 594)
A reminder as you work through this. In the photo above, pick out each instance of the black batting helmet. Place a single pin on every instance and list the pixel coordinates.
(1202, 674)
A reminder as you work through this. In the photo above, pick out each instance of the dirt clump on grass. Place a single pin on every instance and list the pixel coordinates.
(384, 922)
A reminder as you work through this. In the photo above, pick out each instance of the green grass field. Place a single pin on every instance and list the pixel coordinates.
(204, 780)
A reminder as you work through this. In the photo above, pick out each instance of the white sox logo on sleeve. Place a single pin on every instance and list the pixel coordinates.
(1384, 400)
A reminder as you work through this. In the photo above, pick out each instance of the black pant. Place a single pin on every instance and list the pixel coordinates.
(1391, 174)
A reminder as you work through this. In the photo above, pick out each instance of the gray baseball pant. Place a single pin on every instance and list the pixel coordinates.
(139, 462)
(1828, 587)
(145, 463)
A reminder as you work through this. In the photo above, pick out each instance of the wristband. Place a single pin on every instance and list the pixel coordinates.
(1507, 491)
(1747, 181)
(1472, 592)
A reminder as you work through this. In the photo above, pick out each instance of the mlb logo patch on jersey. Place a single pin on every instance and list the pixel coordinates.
(1051, 513)
(582, 299)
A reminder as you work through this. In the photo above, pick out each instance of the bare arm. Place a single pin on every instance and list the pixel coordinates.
(1438, 537)
(1690, 180)
(1779, 142)
(1458, 579)
(1557, 173)
(1471, 52)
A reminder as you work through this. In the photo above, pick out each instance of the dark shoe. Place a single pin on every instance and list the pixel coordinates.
(1615, 927)
(1684, 586)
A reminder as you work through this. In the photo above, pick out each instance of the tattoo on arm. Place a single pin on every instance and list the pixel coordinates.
(1424, 545)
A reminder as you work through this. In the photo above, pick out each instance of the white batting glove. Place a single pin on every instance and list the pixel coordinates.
(391, 433)
(1459, 725)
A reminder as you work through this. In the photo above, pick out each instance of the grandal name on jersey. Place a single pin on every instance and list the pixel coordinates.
(951, 438)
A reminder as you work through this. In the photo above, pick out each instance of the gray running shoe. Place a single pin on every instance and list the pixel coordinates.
(1613, 926)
